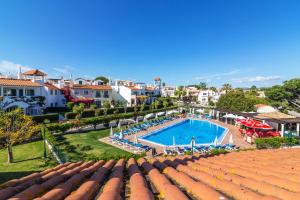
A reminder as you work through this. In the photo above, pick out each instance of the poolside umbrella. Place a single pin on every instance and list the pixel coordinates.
(193, 143)
(135, 141)
(174, 143)
(121, 134)
(111, 131)
(216, 141)
(231, 139)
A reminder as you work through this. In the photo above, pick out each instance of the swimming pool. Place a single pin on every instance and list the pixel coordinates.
(203, 131)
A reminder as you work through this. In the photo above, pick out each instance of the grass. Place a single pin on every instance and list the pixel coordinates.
(77, 147)
(86, 146)
(27, 159)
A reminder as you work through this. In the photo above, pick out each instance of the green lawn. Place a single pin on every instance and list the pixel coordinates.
(85, 146)
(76, 147)
(27, 159)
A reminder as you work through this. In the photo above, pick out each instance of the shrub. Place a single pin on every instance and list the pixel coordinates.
(274, 142)
(70, 105)
(53, 117)
(70, 115)
(88, 113)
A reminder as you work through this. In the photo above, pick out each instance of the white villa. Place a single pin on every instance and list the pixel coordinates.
(30, 92)
(205, 96)
(168, 91)
(135, 93)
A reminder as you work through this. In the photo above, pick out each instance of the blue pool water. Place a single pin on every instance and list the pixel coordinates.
(203, 131)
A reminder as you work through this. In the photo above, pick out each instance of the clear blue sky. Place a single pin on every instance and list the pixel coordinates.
(241, 42)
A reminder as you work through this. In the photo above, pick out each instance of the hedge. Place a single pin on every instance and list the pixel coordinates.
(88, 113)
(274, 142)
(70, 115)
(91, 113)
(53, 117)
(56, 109)
(62, 127)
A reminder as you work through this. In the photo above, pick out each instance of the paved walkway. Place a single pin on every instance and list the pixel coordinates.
(237, 138)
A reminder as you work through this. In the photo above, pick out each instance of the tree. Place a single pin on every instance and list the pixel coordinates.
(106, 106)
(236, 101)
(214, 89)
(202, 86)
(15, 127)
(142, 107)
(180, 92)
(227, 87)
(78, 109)
(103, 79)
(152, 106)
(156, 104)
(165, 104)
(93, 106)
(70, 105)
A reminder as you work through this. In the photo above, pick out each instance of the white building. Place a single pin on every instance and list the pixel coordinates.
(168, 91)
(205, 96)
(89, 94)
(29, 92)
(135, 93)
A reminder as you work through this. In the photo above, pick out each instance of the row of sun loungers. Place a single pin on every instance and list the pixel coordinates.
(198, 149)
(127, 144)
(144, 126)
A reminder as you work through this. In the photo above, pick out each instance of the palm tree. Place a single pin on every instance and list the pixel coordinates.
(180, 92)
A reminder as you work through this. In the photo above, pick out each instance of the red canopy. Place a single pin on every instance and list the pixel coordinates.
(255, 124)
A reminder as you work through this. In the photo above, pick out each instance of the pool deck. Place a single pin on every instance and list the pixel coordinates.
(237, 138)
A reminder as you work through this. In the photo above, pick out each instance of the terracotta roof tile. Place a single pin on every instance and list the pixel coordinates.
(132, 87)
(18, 82)
(35, 72)
(51, 87)
(236, 175)
(92, 87)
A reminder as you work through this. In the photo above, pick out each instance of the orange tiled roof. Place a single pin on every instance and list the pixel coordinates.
(35, 72)
(132, 87)
(51, 87)
(18, 82)
(238, 175)
(150, 88)
(92, 87)
(100, 87)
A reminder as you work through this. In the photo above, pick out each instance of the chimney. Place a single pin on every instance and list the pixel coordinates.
(20, 73)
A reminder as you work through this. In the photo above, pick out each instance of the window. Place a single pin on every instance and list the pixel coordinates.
(86, 92)
(106, 94)
(98, 94)
(9, 92)
(51, 104)
(98, 104)
(29, 92)
(21, 93)
(76, 92)
(80, 82)
(55, 92)
(56, 104)
(51, 92)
